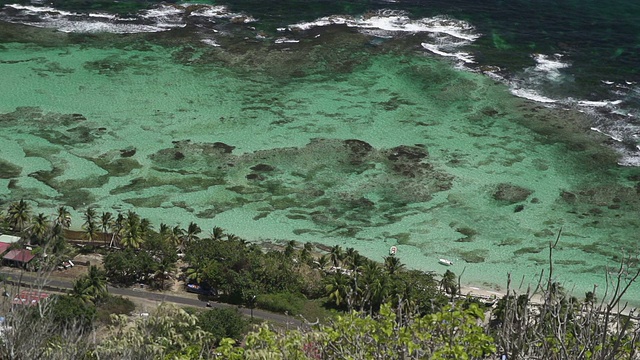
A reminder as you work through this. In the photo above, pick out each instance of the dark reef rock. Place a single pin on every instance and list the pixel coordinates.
(518, 208)
(254, 177)
(178, 155)
(357, 151)
(227, 149)
(404, 152)
(511, 193)
(262, 168)
(568, 196)
(358, 146)
(9, 170)
(125, 153)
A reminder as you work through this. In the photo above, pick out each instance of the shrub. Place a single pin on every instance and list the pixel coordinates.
(71, 311)
(223, 323)
(114, 305)
(281, 303)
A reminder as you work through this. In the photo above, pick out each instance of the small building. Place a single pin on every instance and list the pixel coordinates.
(4, 247)
(18, 257)
(29, 298)
(9, 239)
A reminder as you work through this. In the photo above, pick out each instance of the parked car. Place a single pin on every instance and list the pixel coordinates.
(201, 289)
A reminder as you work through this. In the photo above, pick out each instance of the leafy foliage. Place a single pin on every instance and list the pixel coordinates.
(281, 303)
(223, 323)
(168, 333)
(113, 305)
(128, 267)
(69, 311)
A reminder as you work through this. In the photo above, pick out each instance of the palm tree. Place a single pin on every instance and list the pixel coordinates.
(392, 264)
(164, 272)
(448, 283)
(106, 222)
(217, 233)
(132, 237)
(375, 285)
(192, 233)
(195, 275)
(338, 288)
(97, 282)
(63, 217)
(336, 255)
(177, 237)
(90, 227)
(323, 262)
(56, 240)
(81, 290)
(19, 214)
(145, 227)
(233, 237)
(91, 287)
(290, 248)
(116, 229)
(353, 259)
(173, 235)
(39, 228)
(305, 253)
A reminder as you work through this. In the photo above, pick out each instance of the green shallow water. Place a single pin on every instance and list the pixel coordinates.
(335, 144)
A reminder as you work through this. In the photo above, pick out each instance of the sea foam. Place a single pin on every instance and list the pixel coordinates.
(161, 18)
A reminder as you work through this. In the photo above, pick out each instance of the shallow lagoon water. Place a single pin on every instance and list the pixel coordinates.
(334, 141)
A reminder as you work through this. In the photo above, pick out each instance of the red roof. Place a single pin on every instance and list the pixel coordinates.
(29, 298)
(19, 255)
(4, 247)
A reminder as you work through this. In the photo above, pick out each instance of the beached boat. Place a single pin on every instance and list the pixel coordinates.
(445, 262)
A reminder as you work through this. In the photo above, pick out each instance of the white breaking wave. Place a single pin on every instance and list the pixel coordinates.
(531, 95)
(396, 22)
(549, 66)
(444, 34)
(603, 103)
(219, 12)
(285, 40)
(160, 18)
(210, 42)
(463, 56)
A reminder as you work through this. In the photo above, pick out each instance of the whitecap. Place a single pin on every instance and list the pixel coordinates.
(397, 22)
(285, 40)
(463, 56)
(549, 65)
(325, 21)
(160, 18)
(603, 103)
(166, 16)
(532, 95)
(162, 11)
(210, 42)
(28, 9)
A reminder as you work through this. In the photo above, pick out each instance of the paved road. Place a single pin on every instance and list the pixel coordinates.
(29, 280)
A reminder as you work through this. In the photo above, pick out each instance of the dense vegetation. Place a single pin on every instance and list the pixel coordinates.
(365, 309)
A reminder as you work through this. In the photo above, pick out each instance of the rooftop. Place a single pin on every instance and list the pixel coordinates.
(4, 247)
(30, 298)
(9, 239)
(20, 255)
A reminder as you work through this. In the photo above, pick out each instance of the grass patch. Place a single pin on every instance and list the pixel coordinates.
(281, 303)
(314, 310)
(113, 305)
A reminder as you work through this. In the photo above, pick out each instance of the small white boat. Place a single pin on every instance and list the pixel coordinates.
(393, 250)
(445, 262)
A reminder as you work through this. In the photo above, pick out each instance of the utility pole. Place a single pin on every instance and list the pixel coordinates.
(253, 304)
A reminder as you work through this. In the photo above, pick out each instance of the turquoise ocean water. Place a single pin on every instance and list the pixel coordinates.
(450, 129)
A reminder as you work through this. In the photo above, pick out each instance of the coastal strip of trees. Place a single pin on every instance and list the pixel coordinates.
(357, 308)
